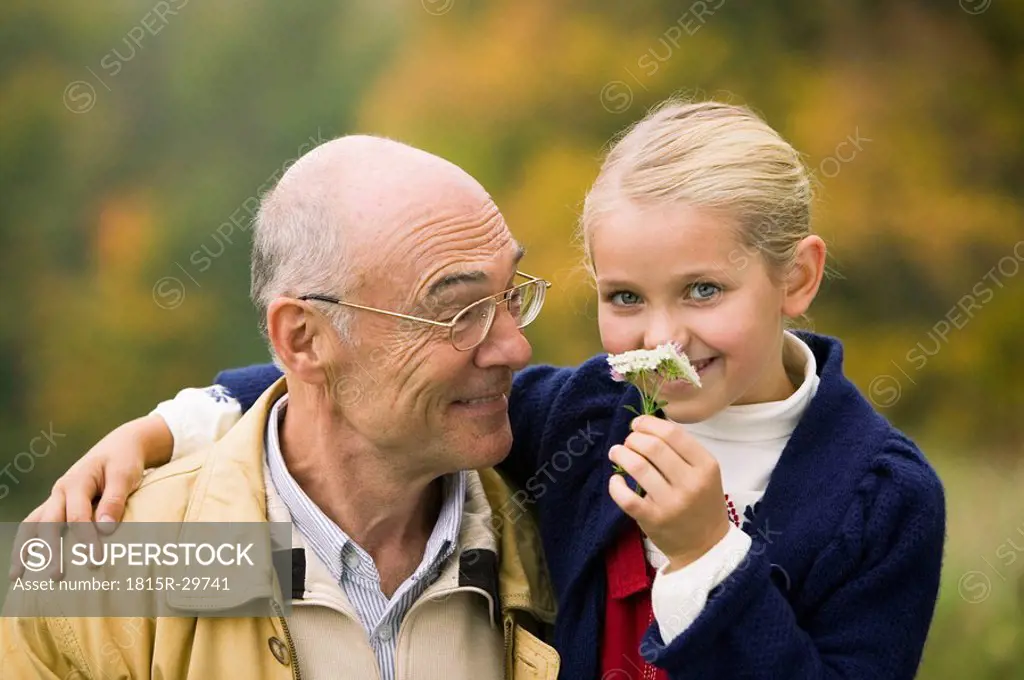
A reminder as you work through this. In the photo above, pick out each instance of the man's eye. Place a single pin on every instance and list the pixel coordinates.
(624, 298)
(451, 312)
(515, 301)
(702, 291)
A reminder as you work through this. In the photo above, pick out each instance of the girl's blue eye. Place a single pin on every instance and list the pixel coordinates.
(702, 291)
(625, 298)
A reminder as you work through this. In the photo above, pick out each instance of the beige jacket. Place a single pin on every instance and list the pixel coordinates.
(451, 633)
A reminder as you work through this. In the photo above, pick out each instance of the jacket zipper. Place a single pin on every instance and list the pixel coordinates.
(296, 672)
(508, 624)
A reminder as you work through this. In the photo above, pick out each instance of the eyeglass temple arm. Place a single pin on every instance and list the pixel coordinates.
(547, 284)
(336, 301)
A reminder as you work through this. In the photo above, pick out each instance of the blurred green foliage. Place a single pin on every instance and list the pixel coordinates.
(135, 136)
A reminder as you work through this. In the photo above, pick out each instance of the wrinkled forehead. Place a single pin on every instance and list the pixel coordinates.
(452, 245)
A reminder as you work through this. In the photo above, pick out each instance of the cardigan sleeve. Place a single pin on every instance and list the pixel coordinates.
(865, 605)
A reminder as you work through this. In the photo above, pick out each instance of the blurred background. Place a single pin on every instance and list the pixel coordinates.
(136, 138)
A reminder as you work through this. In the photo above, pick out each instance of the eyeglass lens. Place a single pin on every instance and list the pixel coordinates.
(472, 325)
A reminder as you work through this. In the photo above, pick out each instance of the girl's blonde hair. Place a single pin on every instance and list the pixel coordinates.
(714, 156)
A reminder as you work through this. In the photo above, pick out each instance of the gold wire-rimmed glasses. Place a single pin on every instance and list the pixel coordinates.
(469, 328)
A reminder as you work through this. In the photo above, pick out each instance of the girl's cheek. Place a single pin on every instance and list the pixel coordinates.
(617, 334)
(718, 327)
(735, 338)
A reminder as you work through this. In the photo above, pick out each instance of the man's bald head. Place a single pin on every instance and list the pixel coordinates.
(373, 179)
(323, 227)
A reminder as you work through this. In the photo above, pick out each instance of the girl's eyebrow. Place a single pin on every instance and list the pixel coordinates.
(684, 277)
(614, 283)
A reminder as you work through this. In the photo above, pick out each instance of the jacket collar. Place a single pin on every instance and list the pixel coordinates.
(474, 564)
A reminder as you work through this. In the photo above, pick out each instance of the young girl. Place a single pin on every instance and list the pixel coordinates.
(785, 529)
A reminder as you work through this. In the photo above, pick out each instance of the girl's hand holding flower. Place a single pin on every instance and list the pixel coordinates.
(682, 509)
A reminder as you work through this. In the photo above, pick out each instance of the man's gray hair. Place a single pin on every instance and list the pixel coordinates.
(297, 249)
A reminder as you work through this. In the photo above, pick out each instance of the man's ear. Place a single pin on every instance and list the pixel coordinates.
(303, 339)
(804, 276)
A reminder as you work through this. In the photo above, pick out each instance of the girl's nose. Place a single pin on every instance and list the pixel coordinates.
(664, 328)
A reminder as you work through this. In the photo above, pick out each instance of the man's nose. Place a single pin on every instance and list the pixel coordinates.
(505, 344)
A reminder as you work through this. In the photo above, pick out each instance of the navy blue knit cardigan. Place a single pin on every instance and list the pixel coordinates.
(843, 573)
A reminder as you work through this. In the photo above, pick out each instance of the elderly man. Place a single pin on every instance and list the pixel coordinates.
(374, 265)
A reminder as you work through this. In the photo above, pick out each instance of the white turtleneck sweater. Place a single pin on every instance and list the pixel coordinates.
(747, 442)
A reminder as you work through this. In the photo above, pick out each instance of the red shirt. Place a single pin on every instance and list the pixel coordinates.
(628, 612)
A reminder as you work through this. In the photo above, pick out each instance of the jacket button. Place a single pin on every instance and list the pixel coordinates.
(279, 650)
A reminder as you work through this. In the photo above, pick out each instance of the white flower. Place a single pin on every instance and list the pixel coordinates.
(665, 361)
